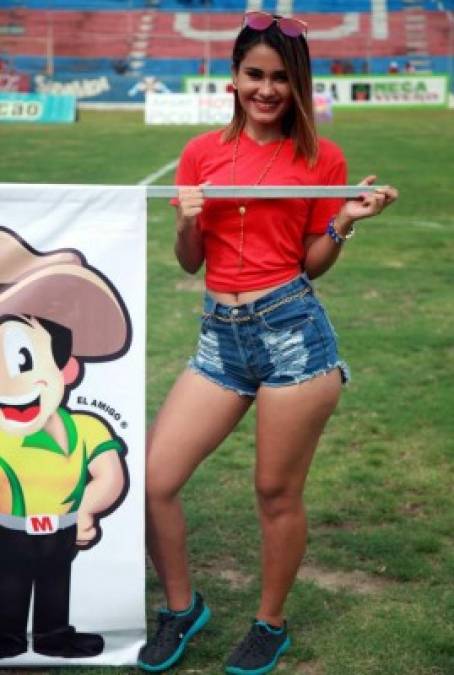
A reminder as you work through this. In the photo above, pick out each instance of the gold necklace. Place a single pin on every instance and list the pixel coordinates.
(242, 207)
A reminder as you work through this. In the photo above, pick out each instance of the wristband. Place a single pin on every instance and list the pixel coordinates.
(334, 234)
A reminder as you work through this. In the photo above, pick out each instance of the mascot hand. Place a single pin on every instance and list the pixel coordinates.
(86, 530)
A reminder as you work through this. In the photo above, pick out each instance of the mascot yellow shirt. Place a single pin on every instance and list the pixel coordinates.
(37, 476)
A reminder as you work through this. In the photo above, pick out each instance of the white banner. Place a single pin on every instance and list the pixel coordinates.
(72, 386)
(188, 108)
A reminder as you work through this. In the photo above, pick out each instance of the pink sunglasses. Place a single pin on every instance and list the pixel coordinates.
(262, 20)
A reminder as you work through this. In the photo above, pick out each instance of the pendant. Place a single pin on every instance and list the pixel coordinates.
(242, 210)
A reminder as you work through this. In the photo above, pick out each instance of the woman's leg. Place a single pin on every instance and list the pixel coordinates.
(194, 419)
(290, 421)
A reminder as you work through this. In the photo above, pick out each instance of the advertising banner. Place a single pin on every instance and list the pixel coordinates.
(356, 91)
(72, 384)
(386, 91)
(46, 108)
(188, 108)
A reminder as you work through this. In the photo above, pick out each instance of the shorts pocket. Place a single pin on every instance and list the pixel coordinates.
(288, 316)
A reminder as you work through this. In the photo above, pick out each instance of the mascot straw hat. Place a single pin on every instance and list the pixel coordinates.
(59, 287)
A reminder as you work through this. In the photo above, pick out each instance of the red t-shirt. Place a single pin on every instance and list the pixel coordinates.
(274, 229)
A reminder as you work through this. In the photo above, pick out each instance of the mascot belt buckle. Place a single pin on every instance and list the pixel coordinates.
(41, 524)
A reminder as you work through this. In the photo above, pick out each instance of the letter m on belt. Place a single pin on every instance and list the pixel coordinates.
(41, 524)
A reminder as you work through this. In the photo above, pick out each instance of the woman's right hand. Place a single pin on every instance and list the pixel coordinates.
(191, 201)
(189, 242)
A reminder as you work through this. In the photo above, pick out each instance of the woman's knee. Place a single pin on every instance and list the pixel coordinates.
(163, 481)
(275, 499)
(161, 490)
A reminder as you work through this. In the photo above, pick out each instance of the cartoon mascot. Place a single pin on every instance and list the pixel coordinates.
(59, 470)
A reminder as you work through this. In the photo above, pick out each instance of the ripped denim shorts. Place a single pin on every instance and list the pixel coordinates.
(283, 338)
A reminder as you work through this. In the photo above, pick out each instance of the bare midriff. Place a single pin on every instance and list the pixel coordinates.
(243, 297)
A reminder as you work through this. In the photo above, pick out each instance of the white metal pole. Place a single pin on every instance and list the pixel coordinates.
(268, 191)
(50, 44)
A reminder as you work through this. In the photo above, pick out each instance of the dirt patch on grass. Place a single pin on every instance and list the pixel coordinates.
(228, 571)
(310, 668)
(371, 294)
(190, 285)
(413, 508)
(394, 264)
(235, 578)
(336, 580)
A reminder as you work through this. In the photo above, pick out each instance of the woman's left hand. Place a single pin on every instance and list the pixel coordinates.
(368, 204)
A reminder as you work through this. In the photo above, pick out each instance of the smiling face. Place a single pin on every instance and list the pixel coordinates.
(31, 384)
(263, 90)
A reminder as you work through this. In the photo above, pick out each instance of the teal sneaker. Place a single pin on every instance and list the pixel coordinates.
(174, 631)
(259, 651)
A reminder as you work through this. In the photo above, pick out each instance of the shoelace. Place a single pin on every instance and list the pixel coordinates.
(257, 637)
(165, 630)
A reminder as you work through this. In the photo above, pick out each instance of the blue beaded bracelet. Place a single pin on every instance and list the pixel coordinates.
(334, 234)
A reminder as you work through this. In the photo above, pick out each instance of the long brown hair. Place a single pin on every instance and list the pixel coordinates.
(298, 122)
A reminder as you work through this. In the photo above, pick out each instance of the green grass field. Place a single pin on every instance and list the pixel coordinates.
(375, 596)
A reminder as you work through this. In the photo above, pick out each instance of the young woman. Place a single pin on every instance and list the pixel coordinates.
(264, 337)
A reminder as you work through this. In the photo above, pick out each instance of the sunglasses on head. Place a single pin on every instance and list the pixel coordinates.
(288, 25)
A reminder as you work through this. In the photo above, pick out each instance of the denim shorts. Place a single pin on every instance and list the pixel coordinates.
(283, 338)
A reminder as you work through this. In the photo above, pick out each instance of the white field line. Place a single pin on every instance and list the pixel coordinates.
(429, 224)
(153, 177)
(413, 222)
